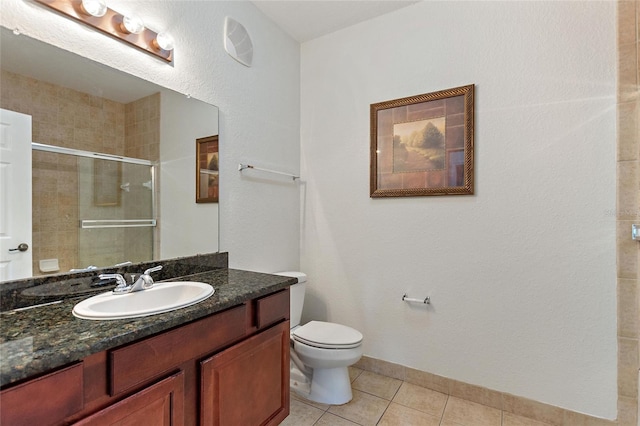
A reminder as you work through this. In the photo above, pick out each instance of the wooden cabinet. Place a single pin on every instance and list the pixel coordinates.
(248, 384)
(161, 404)
(229, 368)
(45, 400)
(137, 363)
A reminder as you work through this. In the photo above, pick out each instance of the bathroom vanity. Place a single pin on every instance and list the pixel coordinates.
(222, 361)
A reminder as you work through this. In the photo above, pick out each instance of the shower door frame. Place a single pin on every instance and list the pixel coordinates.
(123, 223)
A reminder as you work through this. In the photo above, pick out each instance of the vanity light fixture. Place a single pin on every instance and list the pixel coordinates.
(164, 41)
(132, 24)
(96, 8)
(127, 28)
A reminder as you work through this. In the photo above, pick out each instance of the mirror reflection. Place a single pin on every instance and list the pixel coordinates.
(113, 176)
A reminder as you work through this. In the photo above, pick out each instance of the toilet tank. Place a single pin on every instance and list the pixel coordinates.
(296, 295)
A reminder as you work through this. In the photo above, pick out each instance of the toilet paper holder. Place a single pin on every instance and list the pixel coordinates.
(426, 300)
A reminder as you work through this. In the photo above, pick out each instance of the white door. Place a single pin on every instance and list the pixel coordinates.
(15, 195)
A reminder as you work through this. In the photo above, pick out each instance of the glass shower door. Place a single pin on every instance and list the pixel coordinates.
(116, 211)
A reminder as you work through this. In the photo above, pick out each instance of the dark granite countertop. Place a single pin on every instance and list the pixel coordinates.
(36, 340)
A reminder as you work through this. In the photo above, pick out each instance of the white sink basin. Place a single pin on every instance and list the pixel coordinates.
(162, 297)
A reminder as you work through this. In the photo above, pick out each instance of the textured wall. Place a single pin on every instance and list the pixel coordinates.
(522, 274)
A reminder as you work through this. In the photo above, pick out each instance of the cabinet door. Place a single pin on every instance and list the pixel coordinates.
(44, 401)
(248, 384)
(159, 404)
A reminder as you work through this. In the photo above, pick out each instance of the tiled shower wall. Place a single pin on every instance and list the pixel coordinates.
(142, 140)
(628, 209)
(72, 119)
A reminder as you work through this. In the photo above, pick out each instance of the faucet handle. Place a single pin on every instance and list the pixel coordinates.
(154, 269)
(122, 283)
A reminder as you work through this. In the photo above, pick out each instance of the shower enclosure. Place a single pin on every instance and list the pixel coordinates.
(91, 209)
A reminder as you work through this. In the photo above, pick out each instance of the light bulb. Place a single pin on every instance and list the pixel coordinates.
(132, 24)
(95, 8)
(164, 41)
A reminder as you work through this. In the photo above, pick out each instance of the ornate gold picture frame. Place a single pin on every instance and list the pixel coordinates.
(423, 145)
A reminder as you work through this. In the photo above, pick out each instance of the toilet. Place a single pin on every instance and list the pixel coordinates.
(321, 352)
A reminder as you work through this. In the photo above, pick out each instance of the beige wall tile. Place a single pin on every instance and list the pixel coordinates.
(627, 190)
(510, 419)
(628, 120)
(628, 367)
(627, 411)
(627, 72)
(578, 419)
(532, 409)
(67, 118)
(626, 251)
(627, 308)
(477, 394)
(365, 363)
(428, 380)
(389, 369)
(637, 19)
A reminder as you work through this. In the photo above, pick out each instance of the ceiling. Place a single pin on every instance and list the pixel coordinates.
(305, 20)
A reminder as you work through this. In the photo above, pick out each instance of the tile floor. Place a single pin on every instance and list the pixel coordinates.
(381, 400)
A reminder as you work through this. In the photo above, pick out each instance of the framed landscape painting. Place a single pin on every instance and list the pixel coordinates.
(423, 145)
(207, 172)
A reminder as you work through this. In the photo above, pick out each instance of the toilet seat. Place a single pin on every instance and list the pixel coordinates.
(327, 335)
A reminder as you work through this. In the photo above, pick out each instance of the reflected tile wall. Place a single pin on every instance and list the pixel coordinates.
(628, 208)
(71, 119)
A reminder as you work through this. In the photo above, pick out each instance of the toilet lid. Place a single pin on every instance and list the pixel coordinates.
(328, 335)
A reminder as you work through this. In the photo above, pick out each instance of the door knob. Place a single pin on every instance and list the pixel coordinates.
(21, 247)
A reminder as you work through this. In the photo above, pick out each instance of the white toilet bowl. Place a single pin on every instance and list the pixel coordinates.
(321, 353)
(329, 364)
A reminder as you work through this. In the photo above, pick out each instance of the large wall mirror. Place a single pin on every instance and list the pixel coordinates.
(113, 173)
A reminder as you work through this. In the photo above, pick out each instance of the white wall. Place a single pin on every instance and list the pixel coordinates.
(522, 274)
(259, 106)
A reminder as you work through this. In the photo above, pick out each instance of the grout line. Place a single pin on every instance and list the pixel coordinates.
(383, 413)
(444, 410)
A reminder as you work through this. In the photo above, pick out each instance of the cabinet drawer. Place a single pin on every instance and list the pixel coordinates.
(46, 400)
(139, 362)
(272, 308)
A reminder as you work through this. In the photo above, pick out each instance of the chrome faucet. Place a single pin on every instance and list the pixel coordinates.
(143, 282)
